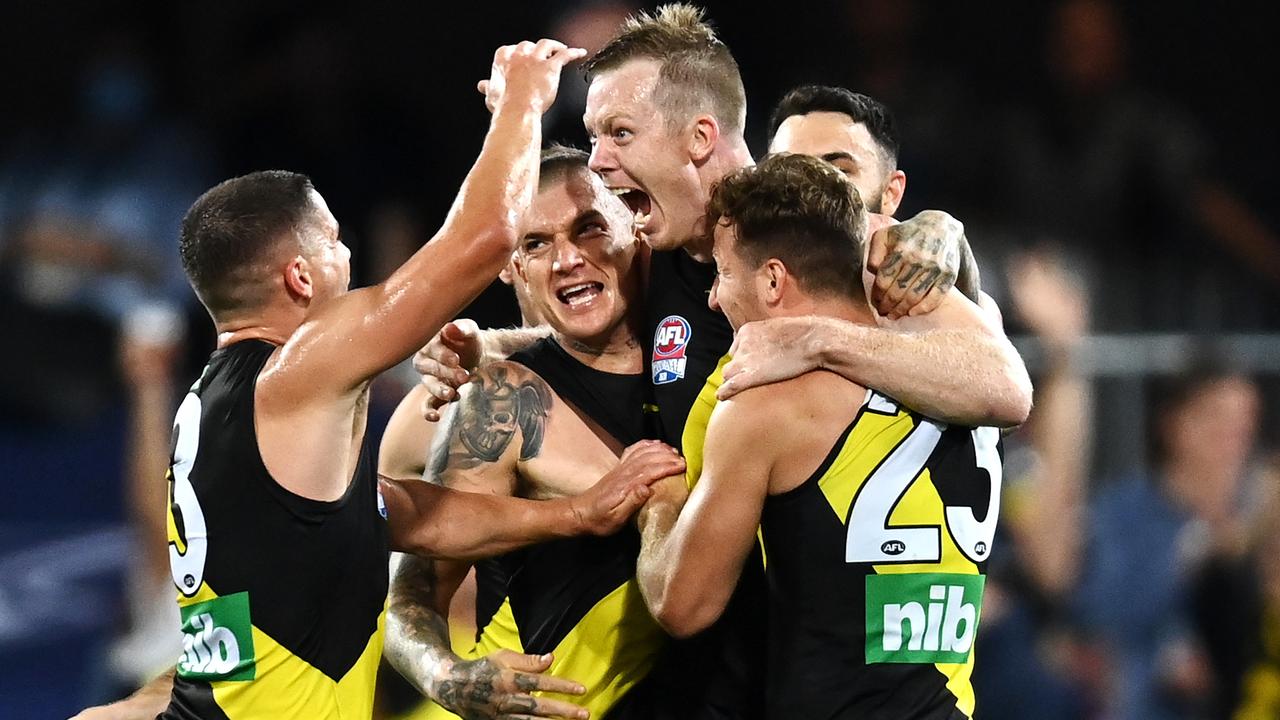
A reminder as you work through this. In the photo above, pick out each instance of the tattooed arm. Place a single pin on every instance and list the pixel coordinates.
(498, 685)
(918, 261)
(503, 418)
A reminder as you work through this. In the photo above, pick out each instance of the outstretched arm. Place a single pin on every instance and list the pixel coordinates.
(953, 364)
(692, 553)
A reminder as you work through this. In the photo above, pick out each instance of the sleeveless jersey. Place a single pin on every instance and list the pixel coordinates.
(719, 673)
(876, 568)
(578, 597)
(282, 597)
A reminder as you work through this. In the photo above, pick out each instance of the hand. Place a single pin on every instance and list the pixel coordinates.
(1049, 301)
(915, 263)
(445, 364)
(612, 501)
(769, 351)
(527, 72)
(500, 685)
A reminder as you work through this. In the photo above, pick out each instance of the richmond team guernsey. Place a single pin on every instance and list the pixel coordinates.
(282, 597)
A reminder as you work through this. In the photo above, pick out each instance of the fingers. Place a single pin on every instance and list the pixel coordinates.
(527, 706)
(921, 283)
(929, 302)
(732, 385)
(522, 662)
(483, 87)
(878, 251)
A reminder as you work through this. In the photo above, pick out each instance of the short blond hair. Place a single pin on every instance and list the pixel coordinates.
(698, 73)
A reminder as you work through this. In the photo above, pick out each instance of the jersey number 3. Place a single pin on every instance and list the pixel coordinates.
(187, 552)
(871, 539)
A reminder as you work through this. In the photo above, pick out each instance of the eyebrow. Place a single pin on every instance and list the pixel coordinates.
(578, 220)
(841, 155)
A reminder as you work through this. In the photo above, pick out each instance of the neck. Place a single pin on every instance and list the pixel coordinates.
(855, 311)
(730, 155)
(617, 351)
(275, 327)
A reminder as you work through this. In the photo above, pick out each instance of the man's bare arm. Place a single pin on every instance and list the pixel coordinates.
(358, 335)
(953, 364)
(503, 415)
(691, 558)
(145, 704)
(448, 360)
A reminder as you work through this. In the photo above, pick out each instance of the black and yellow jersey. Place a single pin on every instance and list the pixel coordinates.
(876, 568)
(282, 598)
(719, 673)
(578, 597)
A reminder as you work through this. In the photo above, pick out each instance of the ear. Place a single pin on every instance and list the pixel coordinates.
(703, 135)
(891, 195)
(518, 268)
(773, 278)
(505, 273)
(297, 279)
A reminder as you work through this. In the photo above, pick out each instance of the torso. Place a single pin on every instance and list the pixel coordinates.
(875, 566)
(576, 598)
(282, 597)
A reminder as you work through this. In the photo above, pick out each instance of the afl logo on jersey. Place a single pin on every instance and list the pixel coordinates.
(669, 344)
(893, 547)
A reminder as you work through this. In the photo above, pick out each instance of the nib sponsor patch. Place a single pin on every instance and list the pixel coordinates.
(922, 617)
(669, 345)
(217, 640)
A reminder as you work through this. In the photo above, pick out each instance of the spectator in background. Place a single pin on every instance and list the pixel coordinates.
(1126, 180)
(1032, 668)
(1156, 542)
(88, 218)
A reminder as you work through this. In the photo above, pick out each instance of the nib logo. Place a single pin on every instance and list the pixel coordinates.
(923, 617)
(217, 640)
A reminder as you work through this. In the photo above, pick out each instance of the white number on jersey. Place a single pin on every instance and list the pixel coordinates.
(187, 567)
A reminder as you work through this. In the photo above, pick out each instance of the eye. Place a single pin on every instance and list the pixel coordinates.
(592, 228)
(622, 134)
(533, 245)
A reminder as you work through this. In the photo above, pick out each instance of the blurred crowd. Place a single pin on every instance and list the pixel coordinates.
(1108, 163)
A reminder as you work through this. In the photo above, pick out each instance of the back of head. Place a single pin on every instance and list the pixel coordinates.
(801, 211)
(698, 73)
(228, 233)
(862, 109)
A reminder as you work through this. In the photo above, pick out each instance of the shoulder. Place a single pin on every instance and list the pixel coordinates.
(507, 375)
(779, 411)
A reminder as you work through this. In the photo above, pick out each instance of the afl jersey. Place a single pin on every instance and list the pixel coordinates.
(578, 597)
(719, 673)
(282, 597)
(689, 338)
(876, 566)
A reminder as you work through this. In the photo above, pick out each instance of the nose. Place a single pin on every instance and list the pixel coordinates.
(713, 302)
(567, 257)
(602, 158)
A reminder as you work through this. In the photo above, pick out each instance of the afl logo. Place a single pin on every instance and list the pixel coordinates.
(669, 344)
(980, 549)
(893, 547)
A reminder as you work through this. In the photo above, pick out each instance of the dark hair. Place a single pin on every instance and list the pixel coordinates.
(801, 211)
(559, 160)
(862, 109)
(229, 229)
(697, 74)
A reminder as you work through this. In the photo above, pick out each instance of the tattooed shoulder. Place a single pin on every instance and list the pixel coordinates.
(501, 400)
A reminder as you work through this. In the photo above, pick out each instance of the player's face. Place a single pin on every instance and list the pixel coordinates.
(640, 157)
(736, 289)
(576, 253)
(328, 257)
(836, 138)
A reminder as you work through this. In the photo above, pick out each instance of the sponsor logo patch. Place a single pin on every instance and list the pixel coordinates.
(217, 640)
(922, 617)
(669, 344)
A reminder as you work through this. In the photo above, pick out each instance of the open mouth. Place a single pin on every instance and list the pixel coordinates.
(578, 295)
(637, 200)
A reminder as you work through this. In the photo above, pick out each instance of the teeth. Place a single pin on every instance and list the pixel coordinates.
(620, 191)
(576, 288)
(642, 219)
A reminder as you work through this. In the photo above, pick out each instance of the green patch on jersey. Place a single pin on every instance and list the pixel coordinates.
(217, 640)
(922, 617)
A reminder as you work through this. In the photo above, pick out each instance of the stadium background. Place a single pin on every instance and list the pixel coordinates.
(1136, 187)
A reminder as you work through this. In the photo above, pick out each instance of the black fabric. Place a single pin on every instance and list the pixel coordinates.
(192, 701)
(817, 626)
(678, 288)
(614, 402)
(719, 673)
(316, 572)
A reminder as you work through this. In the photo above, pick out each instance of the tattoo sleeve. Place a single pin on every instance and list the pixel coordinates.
(417, 639)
